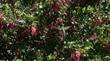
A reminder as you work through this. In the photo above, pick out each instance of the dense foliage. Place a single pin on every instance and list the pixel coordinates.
(55, 30)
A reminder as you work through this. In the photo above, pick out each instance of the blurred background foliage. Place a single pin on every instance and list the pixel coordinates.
(55, 30)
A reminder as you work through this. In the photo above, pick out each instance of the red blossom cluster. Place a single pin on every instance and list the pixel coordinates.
(75, 56)
(3, 25)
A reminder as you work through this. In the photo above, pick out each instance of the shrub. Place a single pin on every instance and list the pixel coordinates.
(54, 30)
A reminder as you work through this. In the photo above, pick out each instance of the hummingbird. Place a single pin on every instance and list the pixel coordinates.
(62, 31)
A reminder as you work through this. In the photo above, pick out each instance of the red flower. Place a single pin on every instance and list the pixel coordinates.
(77, 55)
(34, 30)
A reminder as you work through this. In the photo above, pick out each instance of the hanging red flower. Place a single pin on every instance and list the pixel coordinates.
(77, 55)
(34, 31)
